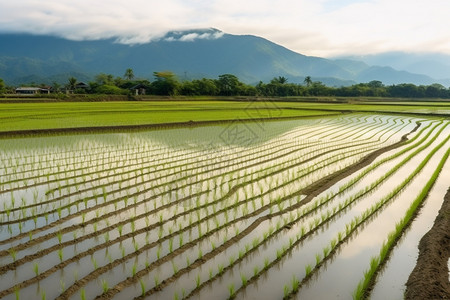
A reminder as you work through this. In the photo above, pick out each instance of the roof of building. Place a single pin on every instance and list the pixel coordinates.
(24, 88)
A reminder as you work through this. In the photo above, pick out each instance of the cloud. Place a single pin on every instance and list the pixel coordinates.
(190, 37)
(321, 27)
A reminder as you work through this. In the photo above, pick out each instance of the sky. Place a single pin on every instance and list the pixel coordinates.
(323, 28)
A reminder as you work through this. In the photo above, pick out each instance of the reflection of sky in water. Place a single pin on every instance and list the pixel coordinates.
(226, 140)
(391, 283)
(354, 257)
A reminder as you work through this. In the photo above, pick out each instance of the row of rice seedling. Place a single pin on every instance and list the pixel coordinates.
(362, 290)
(83, 205)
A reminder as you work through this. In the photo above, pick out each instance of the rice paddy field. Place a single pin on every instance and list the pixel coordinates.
(328, 207)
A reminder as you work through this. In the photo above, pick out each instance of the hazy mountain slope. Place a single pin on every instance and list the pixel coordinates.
(251, 58)
(434, 65)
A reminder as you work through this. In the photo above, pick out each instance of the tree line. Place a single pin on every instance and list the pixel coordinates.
(166, 83)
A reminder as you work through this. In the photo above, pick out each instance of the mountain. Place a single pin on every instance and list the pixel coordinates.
(433, 65)
(189, 54)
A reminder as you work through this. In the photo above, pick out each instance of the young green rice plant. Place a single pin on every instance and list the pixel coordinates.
(295, 284)
(156, 280)
(36, 268)
(94, 263)
(285, 291)
(106, 236)
(174, 267)
(333, 244)
(308, 270)
(279, 253)
(59, 236)
(197, 280)
(243, 279)
(17, 293)
(133, 269)
(13, 253)
(231, 290)
(220, 268)
(255, 270)
(142, 284)
(266, 263)
(62, 284)
(83, 294)
(241, 254)
(120, 228)
(60, 254)
(43, 296)
(105, 286)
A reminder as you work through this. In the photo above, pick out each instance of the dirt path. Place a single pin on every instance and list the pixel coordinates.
(430, 279)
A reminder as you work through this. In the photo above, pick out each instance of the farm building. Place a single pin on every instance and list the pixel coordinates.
(33, 90)
(139, 89)
(82, 86)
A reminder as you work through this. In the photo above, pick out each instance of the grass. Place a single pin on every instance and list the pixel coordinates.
(25, 116)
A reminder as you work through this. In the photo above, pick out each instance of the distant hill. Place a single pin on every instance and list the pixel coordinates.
(189, 54)
(433, 65)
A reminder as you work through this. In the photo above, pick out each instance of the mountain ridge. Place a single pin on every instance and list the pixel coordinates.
(189, 54)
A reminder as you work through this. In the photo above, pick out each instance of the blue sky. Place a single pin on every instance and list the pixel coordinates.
(312, 27)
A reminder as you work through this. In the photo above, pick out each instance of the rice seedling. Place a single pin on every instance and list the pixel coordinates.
(231, 290)
(142, 284)
(308, 270)
(105, 286)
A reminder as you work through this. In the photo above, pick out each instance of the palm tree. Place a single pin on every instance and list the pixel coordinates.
(279, 80)
(282, 79)
(129, 74)
(72, 83)
(307, 81)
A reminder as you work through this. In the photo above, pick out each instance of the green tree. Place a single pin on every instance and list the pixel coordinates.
(165, 83)
(56, 86)
(205, 86)
(72, 82)
(279, 80)
(104, 79)
(2, 86)
(229, 85)
(129, 74)
(308, 81)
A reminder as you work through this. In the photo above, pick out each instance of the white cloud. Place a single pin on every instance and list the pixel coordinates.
(321, 27)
